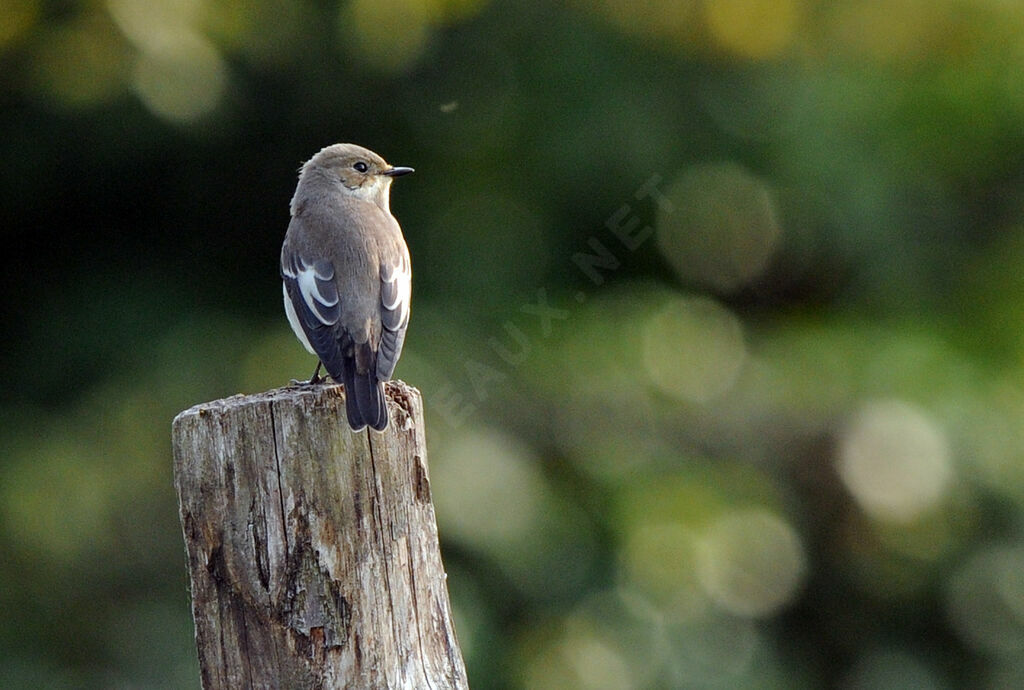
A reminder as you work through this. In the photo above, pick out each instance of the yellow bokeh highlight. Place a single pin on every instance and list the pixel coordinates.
(389, 35)
(894, 31)
(755, 29)
(153, 25)
(271, 33)
(985, 600)
(179, 74)
(581, 658)
(18, 16)
(183, 83)
(82, 63)
(723, 227)
(584, 649)
(694, 349)
(660, 560)
(454, 10)
(895, 460)
(676, 20)
(495, 498)
(58, 498)
(752, 563)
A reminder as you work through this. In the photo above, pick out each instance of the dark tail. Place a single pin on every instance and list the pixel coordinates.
(364, 398)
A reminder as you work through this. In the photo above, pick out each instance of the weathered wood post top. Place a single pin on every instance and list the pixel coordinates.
(312, 550)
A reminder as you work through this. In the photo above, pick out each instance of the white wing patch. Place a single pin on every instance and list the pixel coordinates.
(293, 321)
(306, 278)
(397, 291)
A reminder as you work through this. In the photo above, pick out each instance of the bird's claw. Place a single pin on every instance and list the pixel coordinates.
(315, 381)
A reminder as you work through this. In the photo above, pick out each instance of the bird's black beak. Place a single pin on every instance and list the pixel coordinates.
(397, 171)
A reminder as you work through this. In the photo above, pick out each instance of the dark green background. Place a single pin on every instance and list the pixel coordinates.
(778, 445)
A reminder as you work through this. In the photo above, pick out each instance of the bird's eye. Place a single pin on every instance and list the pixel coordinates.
(360, 167)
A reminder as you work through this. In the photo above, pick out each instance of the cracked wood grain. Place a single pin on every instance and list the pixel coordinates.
(312, 551)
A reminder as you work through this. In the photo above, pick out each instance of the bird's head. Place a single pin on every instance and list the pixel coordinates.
(357, 171)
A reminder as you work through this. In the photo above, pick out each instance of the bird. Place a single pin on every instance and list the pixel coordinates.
(346, 275)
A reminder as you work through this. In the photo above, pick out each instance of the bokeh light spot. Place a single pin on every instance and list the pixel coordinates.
(494, 494)
(722, 228)
(895, 460)
(180, 74)
(602, 645)
(985, 601)
(454, 10)
(497, 503)
(386, 34)
(184, 81)
(271, 33)
(54, 502)
(154, 25)
(713, 650)
(676, 21)
(596, 663)
(694, 349)
(82, 64)
(18, 17)
(755, 29)
(898, 30)
(661, 561)
(751, 563)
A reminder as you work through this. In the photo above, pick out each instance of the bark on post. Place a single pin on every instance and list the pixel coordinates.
(312, 550)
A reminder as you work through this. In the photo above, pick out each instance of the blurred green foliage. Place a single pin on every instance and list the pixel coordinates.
(717, 316)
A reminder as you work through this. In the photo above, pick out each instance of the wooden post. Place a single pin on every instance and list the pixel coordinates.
(312, 550)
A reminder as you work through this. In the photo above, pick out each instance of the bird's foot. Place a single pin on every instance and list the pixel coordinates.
(315, 380)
